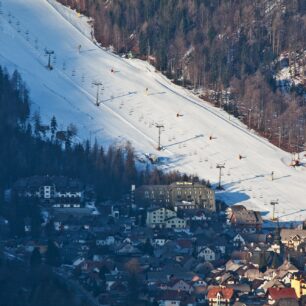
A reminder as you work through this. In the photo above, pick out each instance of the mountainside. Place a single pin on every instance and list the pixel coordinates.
(227, 51)
(196, 136)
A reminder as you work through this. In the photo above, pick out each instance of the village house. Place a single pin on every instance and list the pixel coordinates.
(158, 241)
(292, 238)
(220, 296)
(243, 219)
(52, 191)
(179, 285)
(207, 254)
(276, 294)
(175, 223)
(238, 240)
(187, 193)
(298, 283)
(171, 298)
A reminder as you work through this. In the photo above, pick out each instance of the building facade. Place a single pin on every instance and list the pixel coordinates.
(198, 194)
(298, 283)
(54, 191)
(156, 217)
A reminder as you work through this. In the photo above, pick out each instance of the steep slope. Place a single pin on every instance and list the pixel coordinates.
(128, 112)
(227, 51)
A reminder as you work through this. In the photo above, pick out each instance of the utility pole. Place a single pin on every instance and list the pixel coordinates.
(273, 203)
(97, 84)
(159, 126)
(49, 53)
(220, 167)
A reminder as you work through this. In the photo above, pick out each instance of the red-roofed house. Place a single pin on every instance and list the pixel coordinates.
(220, 296)
(276, 294)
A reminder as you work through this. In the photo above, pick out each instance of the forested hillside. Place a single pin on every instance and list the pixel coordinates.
(31, 147)
(232, 52)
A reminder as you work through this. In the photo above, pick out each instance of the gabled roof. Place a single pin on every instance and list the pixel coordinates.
(226, 293)
(288, 266)
(282, 293)
(175, 281)
(287, 234)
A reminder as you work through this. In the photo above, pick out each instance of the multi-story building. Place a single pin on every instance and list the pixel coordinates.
(169, 195)
(164, 218)
(156, 217)
(175, 222)
(55, 191)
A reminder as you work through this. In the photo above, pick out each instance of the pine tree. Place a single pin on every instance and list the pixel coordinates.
(130, 171)
(37, 123)
(53, 254)
(35, 259)
(148, 248)
(53, 127)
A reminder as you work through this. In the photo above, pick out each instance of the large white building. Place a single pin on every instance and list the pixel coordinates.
(55, 191)
(184, 195)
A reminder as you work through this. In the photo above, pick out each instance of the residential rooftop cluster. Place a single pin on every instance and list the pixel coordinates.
(169, 245)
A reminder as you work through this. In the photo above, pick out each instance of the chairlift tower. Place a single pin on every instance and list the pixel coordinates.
(159, 126)
(274, 203)
(97, 84)
(220, 167)
(49, 53)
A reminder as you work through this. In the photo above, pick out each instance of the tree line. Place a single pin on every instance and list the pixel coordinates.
(30, 147)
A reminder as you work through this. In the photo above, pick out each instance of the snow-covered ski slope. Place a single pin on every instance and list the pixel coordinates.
(27, 27)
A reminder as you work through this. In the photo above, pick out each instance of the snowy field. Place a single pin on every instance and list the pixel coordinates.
(127, 112)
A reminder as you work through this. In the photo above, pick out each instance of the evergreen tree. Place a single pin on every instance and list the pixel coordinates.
(53, 127)
(53, 255)
(148, 248)
(35, 259)
(37, 124)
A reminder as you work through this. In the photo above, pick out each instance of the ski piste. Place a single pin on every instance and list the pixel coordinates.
(133, 100)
